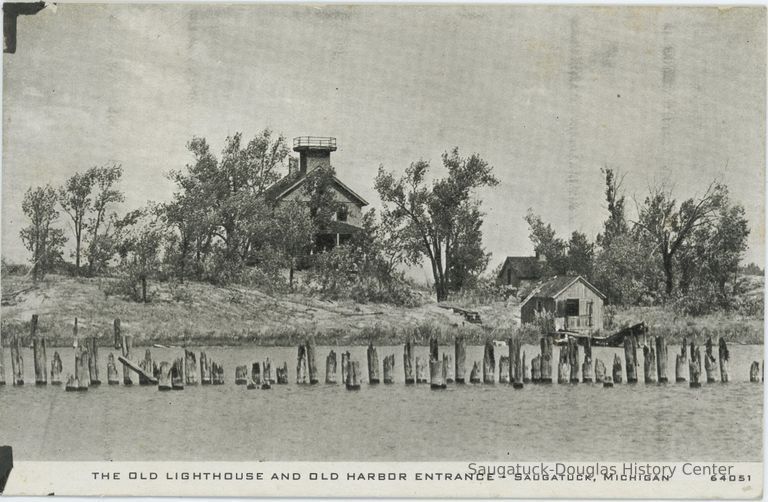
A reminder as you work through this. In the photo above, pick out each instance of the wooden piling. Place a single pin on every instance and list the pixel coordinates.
(311, 364)
(421, 370)
(447, 367)
(373, 365)
(164, 378)
(536, 369)
(301, 365)
(461, 357)
(389, 369)
(616, 369)
(434, 349)
(148, 366)
(241, 375)
(573, 359)
(39, 360)
(56, 368)
(754, 372)
(661, 358)
(408, 362)
(93, 359)
(282, 379)
(177, 374)
(512, 360)
(474, 376)
(526, 378)
(72, 385)
(112, 376)
(630, 357)
(599, 371)
(2, 360)
(344, 366)
(217, 371)
(489, 363)
(723, 356)
(17, 361)
(190, 367)
(436, 374)
(681, 362)
(205, 369)
(694, 367)
(82, 373)
(127, 345)
(608, 382)
(710, 363)
(546, 359)
(267, 378)
(586, 367)
(330, 368)
(504, 369)
(563, 368)
(255, 381)
(649, 363)
(353, 375)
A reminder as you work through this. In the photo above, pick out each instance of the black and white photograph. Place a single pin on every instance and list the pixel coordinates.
(496, 250)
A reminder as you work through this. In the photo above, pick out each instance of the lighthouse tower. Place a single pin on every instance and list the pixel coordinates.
(314, 152)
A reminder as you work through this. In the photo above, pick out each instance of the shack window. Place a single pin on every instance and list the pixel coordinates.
(572, 307)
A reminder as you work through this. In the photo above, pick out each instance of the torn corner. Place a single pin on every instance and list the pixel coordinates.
(11, 11)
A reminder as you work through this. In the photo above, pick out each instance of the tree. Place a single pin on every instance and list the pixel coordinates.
(141, 238)
(75, 200)
(616, 224)
(43, 240)
(105, 179)
(581, 255)
(670, 226)
(547, 244)
(292, 234)
(429, 216)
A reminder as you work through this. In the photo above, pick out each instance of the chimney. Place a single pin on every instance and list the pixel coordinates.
(314, 152)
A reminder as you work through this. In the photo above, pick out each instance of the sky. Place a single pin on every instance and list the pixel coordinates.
(547, 95)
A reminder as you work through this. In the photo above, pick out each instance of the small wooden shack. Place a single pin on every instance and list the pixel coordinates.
(520, 270)
(575, 303)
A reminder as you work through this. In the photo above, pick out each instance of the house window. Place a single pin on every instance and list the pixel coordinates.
(538, 306)
(572, 307)
(341, 214)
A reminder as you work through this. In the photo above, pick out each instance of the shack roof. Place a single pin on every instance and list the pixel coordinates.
(526, 267)
(555, 286)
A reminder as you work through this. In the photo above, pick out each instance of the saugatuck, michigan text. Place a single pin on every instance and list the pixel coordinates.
(627, 471)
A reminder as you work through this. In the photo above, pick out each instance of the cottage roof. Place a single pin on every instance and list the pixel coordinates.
(292, 182)
(555, 286)
(526, 267)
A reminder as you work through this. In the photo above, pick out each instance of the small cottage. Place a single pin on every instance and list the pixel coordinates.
(520, 271)
(575, 303)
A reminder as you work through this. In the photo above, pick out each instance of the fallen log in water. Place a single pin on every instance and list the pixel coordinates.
(461, 357)
(723, 355)
(130, 365)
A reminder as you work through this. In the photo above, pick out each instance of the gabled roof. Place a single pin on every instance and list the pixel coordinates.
(527, 267)
(555, 286)
(291, 182)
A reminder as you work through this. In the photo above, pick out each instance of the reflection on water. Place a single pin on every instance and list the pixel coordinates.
(384, 422)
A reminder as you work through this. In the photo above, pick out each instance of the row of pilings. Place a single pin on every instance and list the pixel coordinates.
(438, 370)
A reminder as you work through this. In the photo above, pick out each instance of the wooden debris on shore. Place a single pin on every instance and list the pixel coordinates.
(563, 368)
(353, 375)
(447, 367)
(177, 374)
(630, 357)
(474, 376)
(190, 367)
(461, 358)
(661, 358)
(586, 367)
(710, 363)
(373, 364)
(17, 361)
(723, 355)
(694, 366)
(754, 372)
(649, 363)
(56, 368)
(489, 363)
(311, 363)
(504, 369)
(205, 369)
(301, 365)
(436, 374)
(408, 364)
(164, 378)
(573, 359)
(616, 369)
(421, 371)
(148, 366)
(599, 371)
(241, 375)
(389, 369)
(546, 359)
(113, 378)
(330, 368)
(681, 362)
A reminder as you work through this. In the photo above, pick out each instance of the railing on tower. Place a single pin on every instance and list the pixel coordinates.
(314, 141)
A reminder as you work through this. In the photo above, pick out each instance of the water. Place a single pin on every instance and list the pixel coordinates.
(385, 422)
